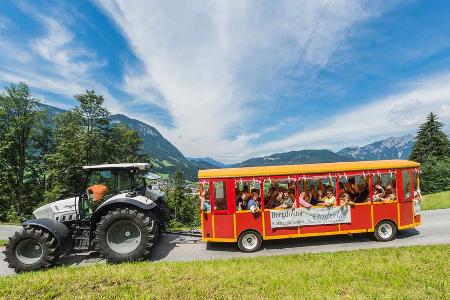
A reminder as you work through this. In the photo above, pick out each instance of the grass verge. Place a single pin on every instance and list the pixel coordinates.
(3, 243)
(436, 201)
(419, 272)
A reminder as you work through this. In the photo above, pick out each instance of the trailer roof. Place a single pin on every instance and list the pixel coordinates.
(306, 169)
(139, 166)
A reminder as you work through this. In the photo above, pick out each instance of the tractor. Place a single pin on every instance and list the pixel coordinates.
(122, 226)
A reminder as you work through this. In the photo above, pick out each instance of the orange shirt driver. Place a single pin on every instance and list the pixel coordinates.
(98, 191)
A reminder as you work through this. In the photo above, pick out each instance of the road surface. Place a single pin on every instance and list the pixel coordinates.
(434, 230)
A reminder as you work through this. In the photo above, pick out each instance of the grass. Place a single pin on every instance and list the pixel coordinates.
(419, 272)
(436, 201)
(3, 242)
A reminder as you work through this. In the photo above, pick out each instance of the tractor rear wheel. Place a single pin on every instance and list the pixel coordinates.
(126, 235)
(31, 249)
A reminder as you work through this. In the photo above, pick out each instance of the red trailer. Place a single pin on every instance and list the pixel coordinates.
(322, 199)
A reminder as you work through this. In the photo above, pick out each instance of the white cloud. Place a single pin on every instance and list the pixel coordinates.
(391, 115)
(208, 62)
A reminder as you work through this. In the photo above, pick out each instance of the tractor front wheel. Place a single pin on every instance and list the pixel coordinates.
(126, 235)
(31, 249)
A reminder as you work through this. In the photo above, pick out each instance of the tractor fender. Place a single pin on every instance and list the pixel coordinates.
(60, 231)
(118, 202)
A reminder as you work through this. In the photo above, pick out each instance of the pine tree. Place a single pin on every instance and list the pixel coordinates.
(431, 141)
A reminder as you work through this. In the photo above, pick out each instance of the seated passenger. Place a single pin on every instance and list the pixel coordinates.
(328, 199)
(286, 201)
(313, 195)
(206, 205)
(268, 196)
(303, 202)
(239, 200)
(389, 194)
(252, 203)
(378, 193)
(345, 199)
(362, 193)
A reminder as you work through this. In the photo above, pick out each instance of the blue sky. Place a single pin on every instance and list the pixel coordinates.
(238, 79)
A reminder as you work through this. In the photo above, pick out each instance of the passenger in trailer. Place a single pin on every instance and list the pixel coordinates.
(329, 199)
(389, 194)
(362, 193)
(242, 197)
(302, 200)
(252, 203)
(378, 193)
(313, 196)
(345, 199)
(286, 201)
(206, 205)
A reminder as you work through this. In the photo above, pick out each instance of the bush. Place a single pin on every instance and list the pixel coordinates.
(12, 216)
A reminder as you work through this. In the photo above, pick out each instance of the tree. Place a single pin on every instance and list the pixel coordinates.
(431, 141)
(68, 157)
(19, 116)
(435, 175)
(95, 119)
(121, 144)
(183, 205)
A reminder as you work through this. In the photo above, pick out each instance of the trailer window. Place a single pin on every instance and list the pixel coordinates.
(384, 187)
(279, 193)
(357, 188)
(205, 198)
(406, 184)
(243, 192)
(220, 200)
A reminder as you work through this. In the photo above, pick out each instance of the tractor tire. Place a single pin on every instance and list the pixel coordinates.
(31, 249)
(126, 235)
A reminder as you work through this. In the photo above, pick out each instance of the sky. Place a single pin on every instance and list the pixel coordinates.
(238, 79)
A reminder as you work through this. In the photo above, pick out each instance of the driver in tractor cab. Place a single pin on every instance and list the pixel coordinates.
(98, 192)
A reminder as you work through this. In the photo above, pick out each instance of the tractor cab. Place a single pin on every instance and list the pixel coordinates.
(103, 182)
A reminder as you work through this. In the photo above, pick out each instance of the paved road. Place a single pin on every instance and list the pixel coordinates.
(434, 230)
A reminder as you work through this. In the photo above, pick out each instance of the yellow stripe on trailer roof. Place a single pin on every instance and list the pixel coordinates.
(306, 169)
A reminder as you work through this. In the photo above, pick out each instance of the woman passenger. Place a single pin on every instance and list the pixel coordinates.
(303, 202)
(329, 199)
(389, 194)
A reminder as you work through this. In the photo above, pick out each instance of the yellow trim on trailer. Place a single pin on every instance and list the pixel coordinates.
(213, 229)
(234, 220)
(306, 169)
(224, 240)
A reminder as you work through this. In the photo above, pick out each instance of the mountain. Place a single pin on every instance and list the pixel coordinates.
(165, 157)
(295, 157)
(207, 161)
(390, 148)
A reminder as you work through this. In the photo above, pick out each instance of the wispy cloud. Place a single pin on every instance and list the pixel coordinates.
(208, 62)
(54, 62)
(391, 115)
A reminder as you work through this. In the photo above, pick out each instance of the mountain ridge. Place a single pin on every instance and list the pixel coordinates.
(166, 158)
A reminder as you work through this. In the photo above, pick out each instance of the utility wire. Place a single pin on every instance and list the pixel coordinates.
(330, 58)
(298, 62)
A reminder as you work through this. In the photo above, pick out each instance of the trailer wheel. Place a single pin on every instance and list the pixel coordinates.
(126, 235)
(31, 249)
(385, 231)
(249, 241)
